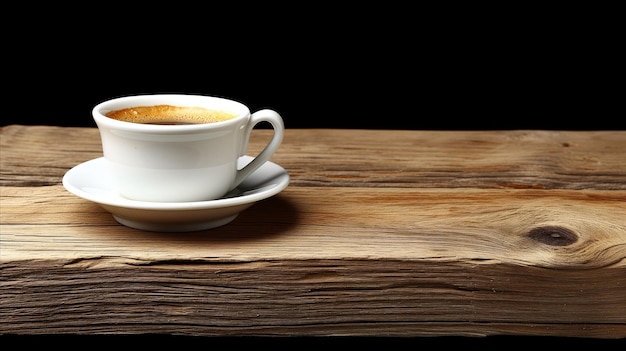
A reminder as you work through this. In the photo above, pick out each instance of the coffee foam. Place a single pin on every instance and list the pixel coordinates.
(168, 114)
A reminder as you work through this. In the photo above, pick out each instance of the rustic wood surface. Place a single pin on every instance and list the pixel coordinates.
(391, 233)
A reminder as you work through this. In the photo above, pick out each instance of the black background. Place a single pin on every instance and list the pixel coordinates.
(377, 66)
(367, 67)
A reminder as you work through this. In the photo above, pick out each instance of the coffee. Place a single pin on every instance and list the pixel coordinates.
(169, 114)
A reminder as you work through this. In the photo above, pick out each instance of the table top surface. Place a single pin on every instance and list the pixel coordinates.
(393, 232)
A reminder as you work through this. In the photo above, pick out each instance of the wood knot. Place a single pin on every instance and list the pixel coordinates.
(553, 235)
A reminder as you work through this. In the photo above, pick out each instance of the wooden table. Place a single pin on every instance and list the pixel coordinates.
(379, 233)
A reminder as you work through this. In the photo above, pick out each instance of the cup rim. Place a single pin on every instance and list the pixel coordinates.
(99, 110)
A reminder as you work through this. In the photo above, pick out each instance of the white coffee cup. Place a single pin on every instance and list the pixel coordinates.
(186, 162)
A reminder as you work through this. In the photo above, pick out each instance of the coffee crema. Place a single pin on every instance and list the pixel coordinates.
(169, 115)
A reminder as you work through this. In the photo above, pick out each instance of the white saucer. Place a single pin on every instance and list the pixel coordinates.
(91, 180)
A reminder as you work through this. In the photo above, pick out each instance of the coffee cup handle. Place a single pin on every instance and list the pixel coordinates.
(276, 121)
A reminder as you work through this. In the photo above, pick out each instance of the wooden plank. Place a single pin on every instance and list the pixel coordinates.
(556, 228)
(310, 297)
(369, 158)
(399, 233)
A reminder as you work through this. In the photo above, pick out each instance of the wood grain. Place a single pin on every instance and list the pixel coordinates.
(399, 233)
